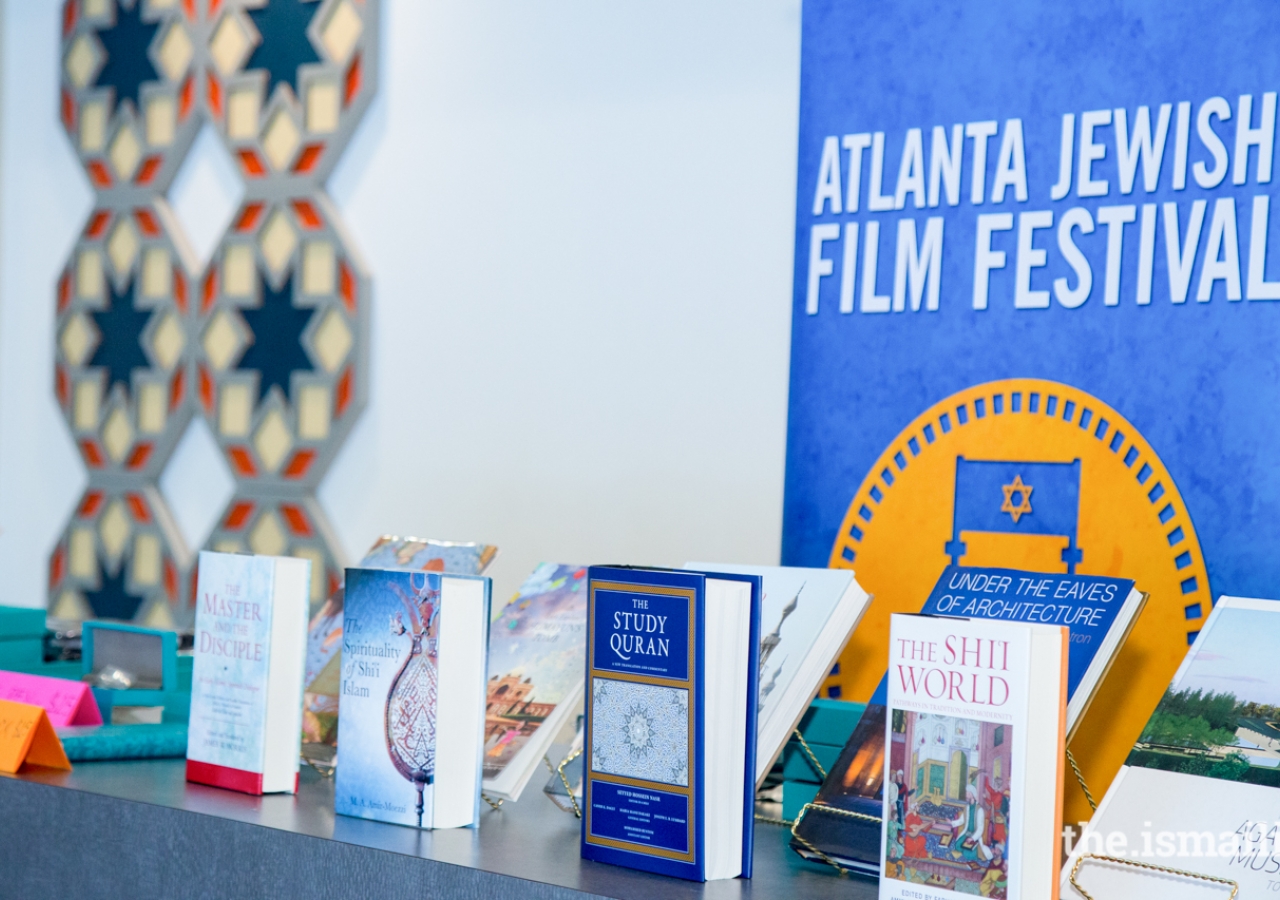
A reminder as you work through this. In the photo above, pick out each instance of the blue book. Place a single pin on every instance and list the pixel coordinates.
(670, 729)
(1099, 613)
(411, 721)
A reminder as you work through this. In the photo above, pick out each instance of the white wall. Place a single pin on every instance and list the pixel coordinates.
(578, 216)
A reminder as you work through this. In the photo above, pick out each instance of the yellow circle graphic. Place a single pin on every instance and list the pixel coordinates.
(1131, 523)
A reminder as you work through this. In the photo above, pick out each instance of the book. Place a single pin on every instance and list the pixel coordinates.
(974, 734)
(670, 725)
(1200, 789)
(809, 614)
(537, 649)
(411, 721)
(1099, 612)
(324, 633)
(244, 731)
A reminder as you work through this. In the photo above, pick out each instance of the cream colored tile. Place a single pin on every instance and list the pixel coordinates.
(313, 412)
(153, 407)
(318, 268)
(235, 408)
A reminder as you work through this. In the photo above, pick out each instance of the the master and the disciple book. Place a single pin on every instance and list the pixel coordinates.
(244, 730)
(672, 687)
(975, 731)
(1200, 792)
(807, 616)
(411, 720)
(537, 646)
(1098, 611)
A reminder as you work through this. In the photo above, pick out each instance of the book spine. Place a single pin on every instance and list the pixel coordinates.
(642, 772)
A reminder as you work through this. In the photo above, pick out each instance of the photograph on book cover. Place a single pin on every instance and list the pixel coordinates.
(1221, 716)
(948, 803)
(537, 646)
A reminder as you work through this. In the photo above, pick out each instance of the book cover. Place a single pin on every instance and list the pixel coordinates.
(645, 798)
(1089, 606)
(962, 709)
(231, 678)
(387, 729)
(1201, 786)
(537, 650)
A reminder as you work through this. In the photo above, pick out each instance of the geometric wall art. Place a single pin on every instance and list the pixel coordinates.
(267, 341)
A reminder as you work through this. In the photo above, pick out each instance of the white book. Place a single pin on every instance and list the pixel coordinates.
(411, 707)
(1200, 793)
(244, 731)
(974, 738)
(806, 618)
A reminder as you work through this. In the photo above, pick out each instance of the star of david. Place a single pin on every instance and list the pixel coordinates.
(120, 349)
(1022, 492)
(285, 44)
(128, 64)
(277, 351)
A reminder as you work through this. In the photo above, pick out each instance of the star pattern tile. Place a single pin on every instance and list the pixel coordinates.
(285, 44)
(113, 600)
(128, 65)
(277, 351)
(120, 327)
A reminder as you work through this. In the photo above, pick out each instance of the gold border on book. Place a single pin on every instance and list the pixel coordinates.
(689, 683)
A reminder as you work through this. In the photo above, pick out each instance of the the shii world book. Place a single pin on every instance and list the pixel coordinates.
(324, 633)
(411, 719)
(974, 738)
(244, 730)
(806, 618)
(1200, 791)
(1099, 612)
(670, 728)
(537, 648)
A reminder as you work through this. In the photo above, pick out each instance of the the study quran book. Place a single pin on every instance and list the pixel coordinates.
(1200, 790)
(670, 730)
(411, 721)
(244, 731)
(806, 616)
(324, 633)
(537, 648)
(1099, 612)
(974, 734)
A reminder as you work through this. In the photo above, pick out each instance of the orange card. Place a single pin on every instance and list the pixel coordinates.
(27, 737)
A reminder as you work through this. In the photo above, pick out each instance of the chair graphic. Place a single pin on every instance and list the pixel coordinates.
(1013, 497)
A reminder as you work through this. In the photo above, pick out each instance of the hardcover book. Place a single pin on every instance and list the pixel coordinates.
(1200, 789)
(244, 731)
(324, 634)
(411, 721)
(670, 726)
(975, 727)
(809, 615)
(537, 648)
(1099, 612)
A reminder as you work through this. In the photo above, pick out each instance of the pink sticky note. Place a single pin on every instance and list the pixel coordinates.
(66, 702)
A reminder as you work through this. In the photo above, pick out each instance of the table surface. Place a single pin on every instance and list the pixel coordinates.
(531, 840)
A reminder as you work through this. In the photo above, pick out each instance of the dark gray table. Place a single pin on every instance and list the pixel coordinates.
(139, 830)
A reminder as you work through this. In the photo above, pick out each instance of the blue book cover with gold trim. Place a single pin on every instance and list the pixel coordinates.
(646, 785)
